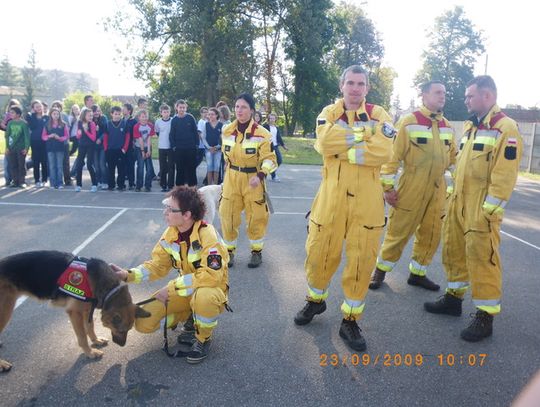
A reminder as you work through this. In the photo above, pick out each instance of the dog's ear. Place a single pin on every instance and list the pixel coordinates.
(141, 313)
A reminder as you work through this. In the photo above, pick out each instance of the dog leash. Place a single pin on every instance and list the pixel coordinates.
(165, 348)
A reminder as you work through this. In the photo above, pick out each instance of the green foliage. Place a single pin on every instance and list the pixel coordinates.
(104, 102)
(453, 49)
(301, 151)
(8, 73)
(382, 86)
(32, 79)
(309, 38)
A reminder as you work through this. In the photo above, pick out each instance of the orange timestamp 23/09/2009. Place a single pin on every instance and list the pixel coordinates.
(402, 359)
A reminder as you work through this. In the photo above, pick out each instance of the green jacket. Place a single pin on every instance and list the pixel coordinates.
(17, 135)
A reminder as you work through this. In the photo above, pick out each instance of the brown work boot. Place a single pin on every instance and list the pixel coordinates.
(377, 279)
(255, 260)
(422, 281)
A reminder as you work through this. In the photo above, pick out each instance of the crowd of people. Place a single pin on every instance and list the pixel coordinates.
(116, 150)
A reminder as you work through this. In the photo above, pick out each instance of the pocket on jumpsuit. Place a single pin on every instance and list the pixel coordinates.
(373, 240)
(480, 247)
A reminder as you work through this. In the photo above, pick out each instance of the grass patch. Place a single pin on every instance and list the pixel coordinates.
(301, 151)
(530, 175)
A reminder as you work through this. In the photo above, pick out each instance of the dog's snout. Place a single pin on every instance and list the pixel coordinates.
(120, 339)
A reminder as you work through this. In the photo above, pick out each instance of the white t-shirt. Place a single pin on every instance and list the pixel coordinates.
(163, 128)
(273, 131)
(201, 127)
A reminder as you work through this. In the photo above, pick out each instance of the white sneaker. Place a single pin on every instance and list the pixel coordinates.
(60, 187)
(39, 184)
(276, 179)
(94, 188)
(77, 189)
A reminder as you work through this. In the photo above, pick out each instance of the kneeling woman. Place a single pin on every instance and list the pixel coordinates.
(193, 248)
(249, 159)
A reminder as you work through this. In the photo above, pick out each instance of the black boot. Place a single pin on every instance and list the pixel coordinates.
(350, 332)
(377, 279)
(447, 304)
(187, 335)
(480, 327)
(422, 281)
(255, 260)
(199, 352)
(231, 259)
(306, 314)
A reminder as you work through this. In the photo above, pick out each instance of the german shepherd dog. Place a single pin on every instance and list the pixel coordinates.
(57, 276)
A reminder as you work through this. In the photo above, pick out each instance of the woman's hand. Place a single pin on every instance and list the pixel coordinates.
(254, 182)
(121, 273)
(162, 295)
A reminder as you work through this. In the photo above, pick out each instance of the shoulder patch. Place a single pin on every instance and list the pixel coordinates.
(321, 121)
(388, 130)
(214, 261)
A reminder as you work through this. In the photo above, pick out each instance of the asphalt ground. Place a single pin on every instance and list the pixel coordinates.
(259, 357)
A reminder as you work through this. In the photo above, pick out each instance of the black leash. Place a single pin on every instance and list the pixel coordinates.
(178, 353)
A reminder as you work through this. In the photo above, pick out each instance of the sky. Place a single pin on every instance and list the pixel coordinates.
(511, 30)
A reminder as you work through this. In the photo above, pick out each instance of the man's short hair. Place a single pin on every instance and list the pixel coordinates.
(426, 87)
(180, 102)
(164, 106)
(354, 69)
(116, 109)
(140, 101)
(87, 98)
(484, 82)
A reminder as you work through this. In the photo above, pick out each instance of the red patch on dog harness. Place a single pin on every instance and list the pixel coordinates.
(74, 282)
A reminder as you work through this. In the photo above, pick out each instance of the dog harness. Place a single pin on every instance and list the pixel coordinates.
(74, 281)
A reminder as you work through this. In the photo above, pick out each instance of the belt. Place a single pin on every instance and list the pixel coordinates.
(243, 169)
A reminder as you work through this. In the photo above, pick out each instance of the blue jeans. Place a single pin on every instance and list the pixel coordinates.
(143, 164)
(7, 175)
(101, 165)
(56, 167)
(279, 160)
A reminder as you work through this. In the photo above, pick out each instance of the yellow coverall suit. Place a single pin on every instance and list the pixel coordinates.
(486, 173)
(246, 155)
(201, 288)
(425, 145)
(349, 204)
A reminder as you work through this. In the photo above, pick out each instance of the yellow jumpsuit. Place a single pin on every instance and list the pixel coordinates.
(246, 155)
(486, 173)
(201, 288)
(349, 204)
(425, 145)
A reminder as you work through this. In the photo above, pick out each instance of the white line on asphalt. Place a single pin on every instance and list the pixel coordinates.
(77, 206)
(520, 240)
(84, 244)
(291, 197)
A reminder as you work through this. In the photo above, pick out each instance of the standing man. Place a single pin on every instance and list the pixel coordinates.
(425, 145)
(184, 140)
(486, 173)
(200, 130)
(277, 141)
(355, 139)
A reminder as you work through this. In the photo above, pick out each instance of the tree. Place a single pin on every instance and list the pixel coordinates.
(381, 86)
(450, 57)
(33, 79)
(8, 73)
(82, 83)
(356, 40)
(217, 34)
(309, 38)
(58, 86)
